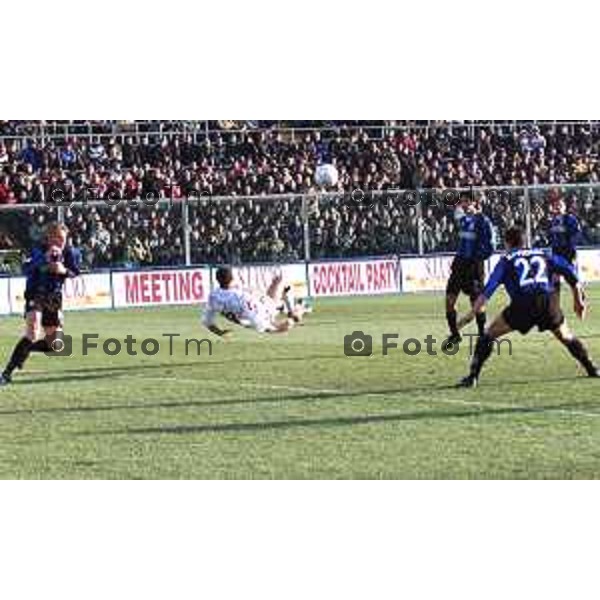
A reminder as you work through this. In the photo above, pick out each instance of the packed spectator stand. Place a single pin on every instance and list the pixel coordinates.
(250, 185)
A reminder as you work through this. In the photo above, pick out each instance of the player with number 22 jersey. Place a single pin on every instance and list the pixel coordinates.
(529, 278)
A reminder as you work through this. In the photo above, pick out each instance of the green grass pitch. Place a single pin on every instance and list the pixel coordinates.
(294, 407)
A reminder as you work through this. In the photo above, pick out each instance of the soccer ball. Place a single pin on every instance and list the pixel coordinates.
(326, 176)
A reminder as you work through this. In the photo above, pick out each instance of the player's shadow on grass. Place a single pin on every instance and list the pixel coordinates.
(94, 373)
(466, 413)
(315, 396)
(590, 336)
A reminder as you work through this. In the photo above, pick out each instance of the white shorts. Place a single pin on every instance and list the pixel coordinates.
(267, 312)
(264, 316)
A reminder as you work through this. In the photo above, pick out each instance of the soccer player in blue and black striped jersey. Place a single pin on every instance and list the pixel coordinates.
(476, 245)
(565, 231)
(46, 270)
(529, 279)
(564, 236)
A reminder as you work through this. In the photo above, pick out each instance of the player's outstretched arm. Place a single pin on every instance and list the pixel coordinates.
(209, 320)
(567, 270)
(580, 306)
(274, 291)
(218, 331)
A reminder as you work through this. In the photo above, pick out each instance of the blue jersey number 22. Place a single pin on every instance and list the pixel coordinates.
(533, 271)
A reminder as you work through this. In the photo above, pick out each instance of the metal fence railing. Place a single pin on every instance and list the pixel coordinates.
(48, 130)
(288, 227)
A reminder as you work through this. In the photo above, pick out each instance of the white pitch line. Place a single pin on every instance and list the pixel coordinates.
(379, 395)
(475, 403)
(261, 386)
(287, 388)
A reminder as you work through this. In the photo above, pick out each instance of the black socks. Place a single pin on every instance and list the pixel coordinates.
(483, 351)
(19, 356)
(41, 346)
(481, 321)
(579, 352)
(451, 317)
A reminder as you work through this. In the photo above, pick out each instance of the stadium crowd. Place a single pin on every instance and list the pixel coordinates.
(21, 128)
(257, 159)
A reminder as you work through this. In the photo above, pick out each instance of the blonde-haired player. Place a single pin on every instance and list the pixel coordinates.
(46, 270)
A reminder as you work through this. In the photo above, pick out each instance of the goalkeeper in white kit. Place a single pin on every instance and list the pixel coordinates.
(254, 310)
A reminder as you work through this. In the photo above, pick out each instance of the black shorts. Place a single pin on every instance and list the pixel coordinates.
(534, 310)
(49, 306)
(467, 276)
